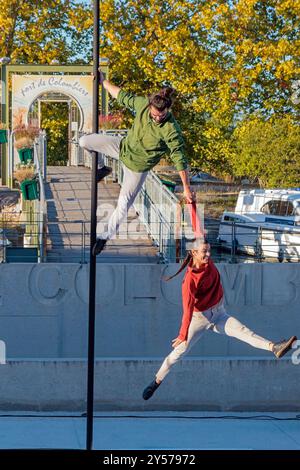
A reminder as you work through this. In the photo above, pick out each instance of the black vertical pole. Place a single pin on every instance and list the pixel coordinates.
(94, 196)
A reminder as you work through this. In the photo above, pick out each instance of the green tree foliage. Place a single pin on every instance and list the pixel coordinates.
(227, 59)
(268, 151)
(55, 120)
(45, 31)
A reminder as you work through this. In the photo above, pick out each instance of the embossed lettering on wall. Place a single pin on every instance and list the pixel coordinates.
(281, 284)
(107, 280)
(234, 283)
(47, 284)
(295, 283)
(141, 283)
(1, 289)
(171, 290)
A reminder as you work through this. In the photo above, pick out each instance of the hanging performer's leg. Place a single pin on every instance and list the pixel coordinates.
(105, 145)
(132, 182)
(131, 185)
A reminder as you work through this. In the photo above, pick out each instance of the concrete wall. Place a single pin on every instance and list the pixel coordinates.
(43, 322)
(44, 309)
(214, 384)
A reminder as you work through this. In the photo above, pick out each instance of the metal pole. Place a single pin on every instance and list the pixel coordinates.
(92, 281)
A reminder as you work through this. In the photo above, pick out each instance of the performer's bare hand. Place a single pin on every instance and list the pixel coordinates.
(189, 195)
(102, 78)
(176, 342)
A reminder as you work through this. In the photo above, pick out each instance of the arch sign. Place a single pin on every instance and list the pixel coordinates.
(23, 84)
(27, 88)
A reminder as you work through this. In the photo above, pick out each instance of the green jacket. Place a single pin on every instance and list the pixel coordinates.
(147, 141)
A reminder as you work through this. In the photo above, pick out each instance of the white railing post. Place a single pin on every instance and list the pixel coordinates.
(42, 200)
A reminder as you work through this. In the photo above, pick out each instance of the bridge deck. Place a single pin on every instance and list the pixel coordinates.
(68, 194)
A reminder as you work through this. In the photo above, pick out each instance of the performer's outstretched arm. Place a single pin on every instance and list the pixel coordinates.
(112, 89)
(184, 175)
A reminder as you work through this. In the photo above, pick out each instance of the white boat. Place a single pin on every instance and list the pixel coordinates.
(265, 223)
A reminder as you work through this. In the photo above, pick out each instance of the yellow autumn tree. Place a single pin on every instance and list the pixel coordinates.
(45, 31)
(268, 151)
(227, 59)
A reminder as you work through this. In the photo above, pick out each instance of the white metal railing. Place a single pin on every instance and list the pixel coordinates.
(158, 208)
(260, 241)
(160, 211)
(41, 164)
(69, 242)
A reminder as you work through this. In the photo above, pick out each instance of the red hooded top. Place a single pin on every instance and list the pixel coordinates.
(201, 290)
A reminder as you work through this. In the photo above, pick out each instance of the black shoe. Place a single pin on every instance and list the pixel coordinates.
(279, 349)
(103, 172)
(98, 247)
(148, 392)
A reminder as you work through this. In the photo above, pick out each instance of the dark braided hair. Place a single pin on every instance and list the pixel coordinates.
(185, 262)
(162, 99)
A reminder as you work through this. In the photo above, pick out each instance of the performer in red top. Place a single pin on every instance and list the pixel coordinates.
(203, 309)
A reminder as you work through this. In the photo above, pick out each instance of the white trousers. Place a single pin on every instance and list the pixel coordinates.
(217, 320)
(132, 180)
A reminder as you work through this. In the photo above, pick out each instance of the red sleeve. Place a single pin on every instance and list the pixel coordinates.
(195, 220)
(188, 302)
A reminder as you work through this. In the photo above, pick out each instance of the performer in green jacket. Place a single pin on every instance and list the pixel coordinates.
(154, 133)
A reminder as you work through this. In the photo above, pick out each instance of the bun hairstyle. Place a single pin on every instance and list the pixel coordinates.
(162, 99)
